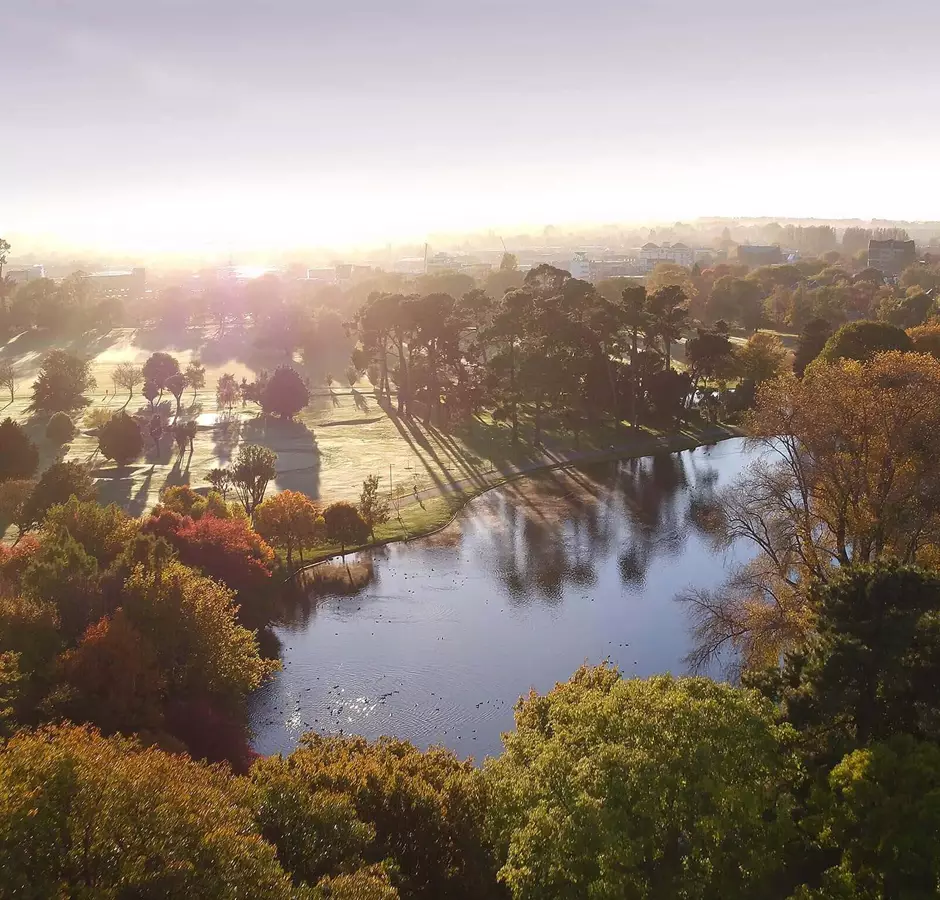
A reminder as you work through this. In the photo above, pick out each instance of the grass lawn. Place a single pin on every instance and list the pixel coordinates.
(343, 436)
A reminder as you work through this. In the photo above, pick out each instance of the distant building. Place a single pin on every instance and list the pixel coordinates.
(755, 255)
(652, 254)
(120, 283)
(891, 257)
(580, 266)
(22, 276)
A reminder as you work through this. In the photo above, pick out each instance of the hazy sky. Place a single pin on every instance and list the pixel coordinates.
(201, 123)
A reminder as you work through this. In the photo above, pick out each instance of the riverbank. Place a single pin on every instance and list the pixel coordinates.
(429, 510)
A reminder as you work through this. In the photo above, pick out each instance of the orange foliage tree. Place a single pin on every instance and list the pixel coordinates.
(288, 520)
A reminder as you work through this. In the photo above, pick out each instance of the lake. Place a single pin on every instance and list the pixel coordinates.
(435, 640)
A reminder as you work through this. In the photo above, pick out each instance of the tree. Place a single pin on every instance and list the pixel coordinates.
(159, 368)
(670, 275)
(509, 262)
(373, 508)
(668, 315)
(19, 457)
(926, 338)
(226, 391)
(422, 810)
(57, 484)
(877, 818)
(710, 355)
(150, 392)
(344, 525)
(812, 339)
(82, 816)
(190, 621)
(614, 787)
(127, 376)
(176, 384)
(195, 376)
(850, 477)
(14, 495)
(120, 439)
(221, 480)
(112, 678)
(7, 377)
(870, 669)
(636, 320)
(62, 382)
(862, 340)
(763, 357)
(285, 393)
(60, 429)
(253, 469)
(288, 521)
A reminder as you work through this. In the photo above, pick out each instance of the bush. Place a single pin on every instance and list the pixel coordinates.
(285, 394)
(60, 429)
(120, 439)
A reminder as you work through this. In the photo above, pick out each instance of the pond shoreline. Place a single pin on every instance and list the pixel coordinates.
(456, 498)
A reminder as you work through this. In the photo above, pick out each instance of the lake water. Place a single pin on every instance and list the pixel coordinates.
(435, 640)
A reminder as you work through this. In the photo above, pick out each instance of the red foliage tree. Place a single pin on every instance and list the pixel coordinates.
(225, 549)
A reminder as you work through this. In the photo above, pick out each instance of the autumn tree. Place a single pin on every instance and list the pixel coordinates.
(762, 358)
(254, 468)
(926, 338)
(120, 439)
(82, 816)
(127, 376)
(288, 521)
(19, 456)
(344, 525)
(62, 382)
(373, 508)
(850, 477)
(195, 376)
(661, 787)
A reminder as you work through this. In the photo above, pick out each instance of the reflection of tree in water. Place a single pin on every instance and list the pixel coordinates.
(298, 600)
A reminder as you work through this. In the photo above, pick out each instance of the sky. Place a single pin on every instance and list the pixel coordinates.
(202, 125)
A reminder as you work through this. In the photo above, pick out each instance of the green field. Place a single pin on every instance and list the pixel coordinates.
(343, 436)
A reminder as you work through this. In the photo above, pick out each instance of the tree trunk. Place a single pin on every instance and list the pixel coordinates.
(536, 440)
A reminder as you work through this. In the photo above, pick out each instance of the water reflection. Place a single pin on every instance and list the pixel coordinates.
(436, 639)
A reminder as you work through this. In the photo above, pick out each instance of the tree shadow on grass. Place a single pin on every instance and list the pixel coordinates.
(299, 459)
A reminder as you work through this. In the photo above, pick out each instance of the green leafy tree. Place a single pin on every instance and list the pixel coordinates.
(60, 429)
(151, 391)
(421, 810)
(57, 484)
(14, 495)
(373, 508)
(862, 340)
(160, 368)
(668, 316)
(226, 391)
(19, 457)
(763, 357)
(253, 470)
(810, 344)
(221, 480)
(344, 525)
(62, 382)
(661, 788)
(285, 394)
(120, 439)
(87, 816)
(195, 376)
(176, 384)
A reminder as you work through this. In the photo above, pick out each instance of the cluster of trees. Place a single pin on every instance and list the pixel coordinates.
(283, 394)
(815, 781)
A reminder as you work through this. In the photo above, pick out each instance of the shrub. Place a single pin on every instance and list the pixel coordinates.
(60, 429)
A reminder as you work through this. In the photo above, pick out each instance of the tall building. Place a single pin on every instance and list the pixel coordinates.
(891, 257)
(21, 276)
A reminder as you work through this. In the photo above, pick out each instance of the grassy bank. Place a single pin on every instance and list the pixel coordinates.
(429, 510)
